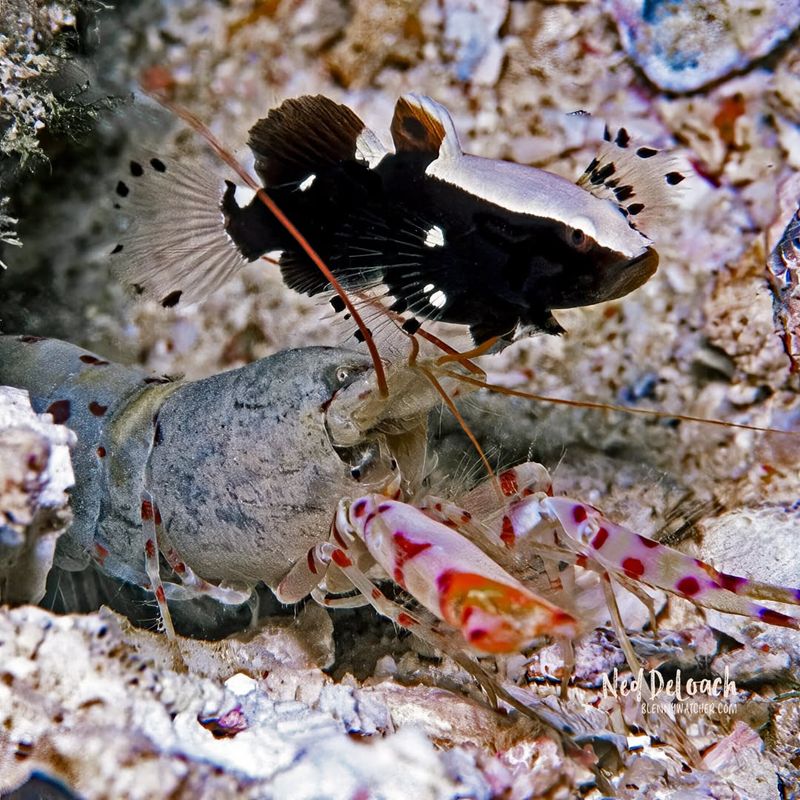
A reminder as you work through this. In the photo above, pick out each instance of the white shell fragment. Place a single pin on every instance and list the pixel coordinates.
(280, 732)
(471, 36)
(35, 474)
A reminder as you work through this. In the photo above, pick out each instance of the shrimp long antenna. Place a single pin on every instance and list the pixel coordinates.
(451, 351)
(202, 129)
(448, 401)
(646, 412)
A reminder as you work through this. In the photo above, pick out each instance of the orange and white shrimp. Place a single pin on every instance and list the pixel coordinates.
(440, 568)
(432, 552)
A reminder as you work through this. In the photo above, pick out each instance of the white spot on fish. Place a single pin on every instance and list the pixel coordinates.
(306, 184)
(243, 195)
(435, 237)
(438, 299)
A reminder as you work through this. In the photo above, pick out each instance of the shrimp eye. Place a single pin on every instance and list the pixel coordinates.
(342, 374)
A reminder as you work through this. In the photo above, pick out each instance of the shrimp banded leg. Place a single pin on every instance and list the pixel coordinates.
(191, 586)
(150, 514)
(638, 559)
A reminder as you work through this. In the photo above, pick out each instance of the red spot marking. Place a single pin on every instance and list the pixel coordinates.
(600, 538)
(60, 411)
(633, 567)
(579, 514)
(733, 583)
(359, 508)
(93, 360)
(688, 586)
(147, 510)
(340, 559)
(405, 620)
(507, 535)
(776, 618)
(157, 515)
(478, 634)
(100, 553)
(370, 517)
(581, 561)
(549, 490)
(160, 594)
(97, 408)
(383, 507)
(404, 550)
(407, 547)
(438, 506)
(338, 537)
(647, 542)
(376, 594)
(179, 567)
(765, 648)
(101, 451)
(150, 548)
(312, 564)
(466, 517)
(508, 483)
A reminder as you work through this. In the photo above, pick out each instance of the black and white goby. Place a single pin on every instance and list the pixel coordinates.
(438, 234)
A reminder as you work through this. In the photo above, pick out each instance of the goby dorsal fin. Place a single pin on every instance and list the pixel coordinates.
(639, 179)
(422, 125)
(306, 133)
